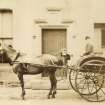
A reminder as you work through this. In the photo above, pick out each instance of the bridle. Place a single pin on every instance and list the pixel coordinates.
(13, 61)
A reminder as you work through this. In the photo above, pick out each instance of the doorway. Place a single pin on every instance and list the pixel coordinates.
(53, 40)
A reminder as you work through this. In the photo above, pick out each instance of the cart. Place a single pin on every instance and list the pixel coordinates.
(87, 78)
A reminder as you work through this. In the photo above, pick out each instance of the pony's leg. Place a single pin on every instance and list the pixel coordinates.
(20, 76)
(54, 85)
(53, 81)
(50, 92)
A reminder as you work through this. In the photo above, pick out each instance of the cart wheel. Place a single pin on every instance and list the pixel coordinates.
(72, 75)
(89, 80)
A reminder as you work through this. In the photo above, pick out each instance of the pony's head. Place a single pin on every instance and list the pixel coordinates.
(9, 53)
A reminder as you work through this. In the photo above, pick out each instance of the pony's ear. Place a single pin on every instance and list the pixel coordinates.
(68, 56)
(11, 48)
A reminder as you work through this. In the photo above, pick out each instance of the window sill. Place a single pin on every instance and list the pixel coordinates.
(3, 38)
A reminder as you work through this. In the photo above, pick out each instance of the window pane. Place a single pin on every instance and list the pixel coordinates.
(103, 38)
(7, 24)
(0, 24)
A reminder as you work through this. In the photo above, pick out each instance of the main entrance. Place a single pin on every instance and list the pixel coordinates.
(53, 40)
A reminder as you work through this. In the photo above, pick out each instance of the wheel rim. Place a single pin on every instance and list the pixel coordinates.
(72, 75)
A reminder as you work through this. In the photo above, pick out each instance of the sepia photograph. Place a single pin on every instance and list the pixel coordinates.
(52, 52)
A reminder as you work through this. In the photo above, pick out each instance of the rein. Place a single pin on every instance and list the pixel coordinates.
(17, 56)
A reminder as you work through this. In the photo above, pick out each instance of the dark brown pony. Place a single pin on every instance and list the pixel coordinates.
(49, 64)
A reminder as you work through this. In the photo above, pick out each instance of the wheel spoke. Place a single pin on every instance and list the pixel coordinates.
(96, 93)
(83, 87)
(88, 86)
(92, 88)
(102, 91)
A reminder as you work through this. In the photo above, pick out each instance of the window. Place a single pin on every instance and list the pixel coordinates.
(6, 26)
(100, 34)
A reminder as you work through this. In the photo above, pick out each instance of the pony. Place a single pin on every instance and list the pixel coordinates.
(47, 62)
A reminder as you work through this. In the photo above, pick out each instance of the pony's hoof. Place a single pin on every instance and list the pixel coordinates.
(55, 92)
(53, 96)
(22, 97)
(48, 97)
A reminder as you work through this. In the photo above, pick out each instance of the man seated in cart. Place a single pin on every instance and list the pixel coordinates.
(88, 47)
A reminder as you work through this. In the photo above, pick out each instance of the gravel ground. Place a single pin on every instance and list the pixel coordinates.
(11, 96)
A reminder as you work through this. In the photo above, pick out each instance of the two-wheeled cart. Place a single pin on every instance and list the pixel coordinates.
(87, 78)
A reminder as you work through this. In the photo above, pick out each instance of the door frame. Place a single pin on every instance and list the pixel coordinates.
(54, 27)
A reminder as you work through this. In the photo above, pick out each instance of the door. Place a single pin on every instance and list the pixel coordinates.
(53, 40)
